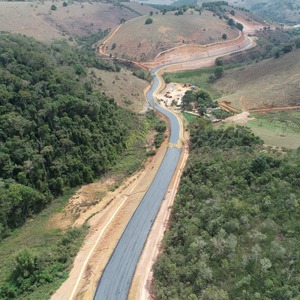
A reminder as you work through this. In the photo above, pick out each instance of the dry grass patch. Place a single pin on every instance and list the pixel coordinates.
(39, 21)
(126, 89)
(167, 31)
(272, 82)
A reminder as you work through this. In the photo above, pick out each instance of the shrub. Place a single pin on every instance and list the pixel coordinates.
(239, 26)
(151, 153)
(167, 80)
(219, 71)
(287, 48)
(219, 61)
(148, 21)
(231, 22)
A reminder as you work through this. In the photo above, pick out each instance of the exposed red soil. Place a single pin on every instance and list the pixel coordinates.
(277, 108)
(225, 105)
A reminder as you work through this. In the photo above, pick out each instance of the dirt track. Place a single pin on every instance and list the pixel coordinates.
(106, 227)
(190, 56)
(277, 108)
(228, 107)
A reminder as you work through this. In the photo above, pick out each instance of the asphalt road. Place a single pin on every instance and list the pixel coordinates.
(117, 276)
(174, 124)
(118, 273)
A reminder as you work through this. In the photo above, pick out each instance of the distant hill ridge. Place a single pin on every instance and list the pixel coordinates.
(282, 11)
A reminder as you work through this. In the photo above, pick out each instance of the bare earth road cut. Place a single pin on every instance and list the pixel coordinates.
(118, 273)
(117, 276)
(105, 231)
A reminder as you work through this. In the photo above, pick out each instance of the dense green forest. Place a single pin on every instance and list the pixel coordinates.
(234, 231)
(55, 130)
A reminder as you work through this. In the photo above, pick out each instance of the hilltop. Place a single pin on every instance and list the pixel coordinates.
(167, 31)
(283, 11)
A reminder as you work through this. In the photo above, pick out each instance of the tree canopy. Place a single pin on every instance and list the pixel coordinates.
(55, 130)
(234, 228)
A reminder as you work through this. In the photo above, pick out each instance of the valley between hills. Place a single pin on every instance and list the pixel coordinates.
(219, 67)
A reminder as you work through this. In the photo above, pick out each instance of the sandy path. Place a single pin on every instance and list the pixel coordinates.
(106, 226)
(250, 26)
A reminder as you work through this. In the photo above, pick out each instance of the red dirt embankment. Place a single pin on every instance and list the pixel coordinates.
(225, 105)
(277, 108)
(187, 53)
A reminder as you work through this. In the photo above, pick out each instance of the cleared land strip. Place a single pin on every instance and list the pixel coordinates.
(228, 107)
(92, 270)
(277, 108)
(117, 276)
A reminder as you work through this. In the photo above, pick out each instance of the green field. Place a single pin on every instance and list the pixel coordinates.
(43, 242)
(278, 128)
(189, 117)
(199, 78)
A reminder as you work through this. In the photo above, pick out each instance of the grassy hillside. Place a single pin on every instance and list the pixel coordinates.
(282, 11)
(165, 32)
(281, 129)
(272, 82)
(38, 20)
(234, 231)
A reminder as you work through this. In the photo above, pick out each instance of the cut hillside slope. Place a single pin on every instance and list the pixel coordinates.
(272, 82)
(166, 31)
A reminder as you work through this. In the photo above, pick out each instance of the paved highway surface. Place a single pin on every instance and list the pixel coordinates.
(174, 124)
(117, 276)
(118, 273)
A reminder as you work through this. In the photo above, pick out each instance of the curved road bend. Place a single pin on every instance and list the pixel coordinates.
(117, 276)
